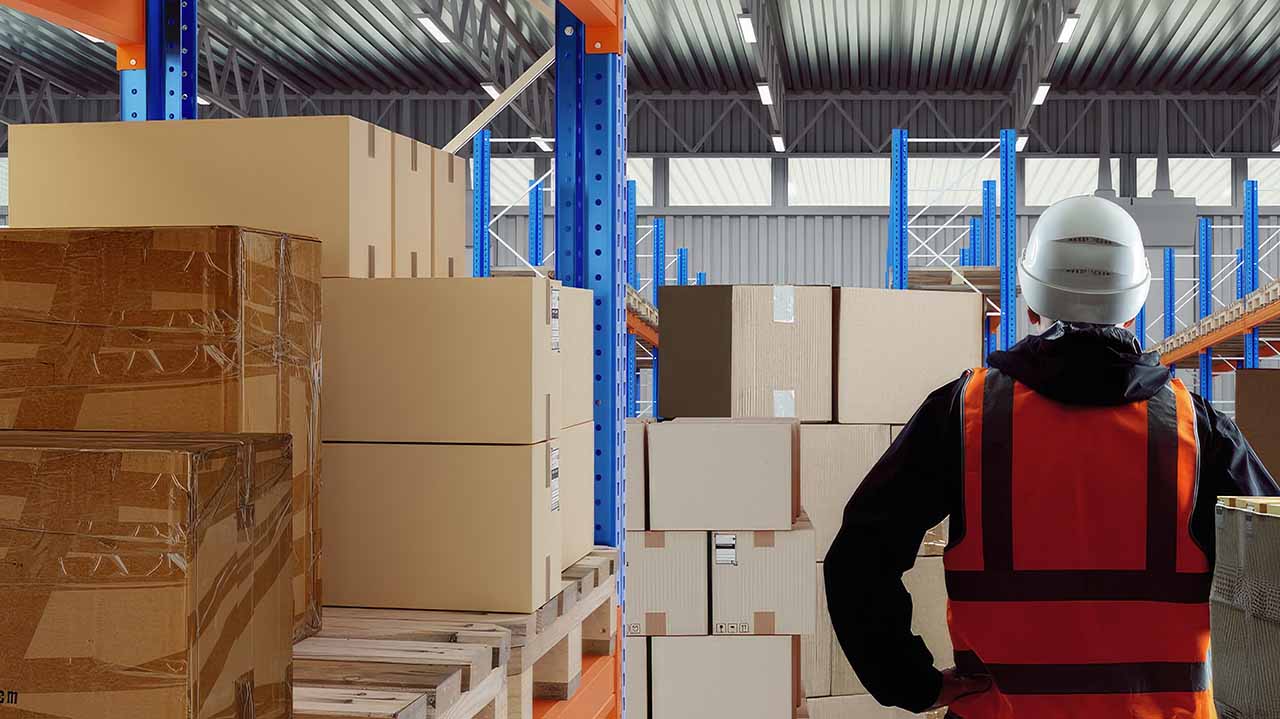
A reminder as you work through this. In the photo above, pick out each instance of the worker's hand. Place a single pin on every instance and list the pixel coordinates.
(956, 686)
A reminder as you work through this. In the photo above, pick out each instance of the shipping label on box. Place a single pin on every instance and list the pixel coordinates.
(763, 582)
(710, 474)
(667, 584)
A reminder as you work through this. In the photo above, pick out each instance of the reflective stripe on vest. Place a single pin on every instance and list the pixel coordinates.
(1072, 572)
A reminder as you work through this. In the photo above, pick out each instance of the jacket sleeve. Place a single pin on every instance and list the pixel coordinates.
(910, 490)
(1228, 466)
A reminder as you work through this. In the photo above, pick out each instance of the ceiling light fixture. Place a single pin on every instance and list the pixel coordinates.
(1022, 143)
(434, 30)
(202, 102)
(490, 89)
(542, 143)
(1068, 28)
(747, 27)
(778, 145)
(1042, 92)
(766, 97)
(1276, 146)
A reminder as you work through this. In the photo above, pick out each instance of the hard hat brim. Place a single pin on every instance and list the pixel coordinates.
(1109, 307)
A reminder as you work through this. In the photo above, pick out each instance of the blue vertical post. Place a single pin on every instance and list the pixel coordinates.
(659, 256)
(1204, 297)
(989, 222)
(898, 210)
(988, 337)
(682, 266)
(590, 239)
(481, 208)
(702, 278)
(975, 242)
(1140, 327)
(133, 95)
(536, 224)
(1170, 293)
(1008, 238)
(1249, 266)
(165, 89)
(1240, 290)
(632, 389)
(633, 239)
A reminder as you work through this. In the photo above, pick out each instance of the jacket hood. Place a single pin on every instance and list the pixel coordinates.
(1085, 365)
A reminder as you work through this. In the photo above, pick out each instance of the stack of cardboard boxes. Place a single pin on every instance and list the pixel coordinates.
(864, 358)
(457, 441)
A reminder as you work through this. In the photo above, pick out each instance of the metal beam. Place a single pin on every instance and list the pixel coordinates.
(1038, 53)
(502, 101)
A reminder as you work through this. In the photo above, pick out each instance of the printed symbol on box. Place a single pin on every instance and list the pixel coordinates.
(721, 628)
(744, 628)
(8, 697)
(633, 628)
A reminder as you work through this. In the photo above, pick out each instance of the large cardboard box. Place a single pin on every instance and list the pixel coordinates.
(862, 707)
(411, 197)
(921, 340)
(763, 582)
(145, 576)
(636, 670)
(717, 474)
(576, 459)
(577, 356)
(1257, 396)
(927, 584)
(815, 648)
(636, 510)
(834, 459)
(739, 677)
(323, 177)
(441, 526)
(746, 351)
(177, 329)
(668, 581)
(442, 360)
(450, 215)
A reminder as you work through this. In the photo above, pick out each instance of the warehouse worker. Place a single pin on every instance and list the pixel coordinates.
(1080, 483)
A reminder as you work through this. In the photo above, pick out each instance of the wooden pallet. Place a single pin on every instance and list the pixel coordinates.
(542, 652)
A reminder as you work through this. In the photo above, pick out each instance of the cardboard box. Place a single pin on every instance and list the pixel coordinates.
(128, 597)
(763, 582)
(927, 585)
(176, 329)
(862, 707)
(441, 526)
(636, 486)
(716, 474)
(577, 493)
(746, 351)
(815, 648)
(577, 356)
(739, 677)
(1257, 396)
(450, 216)
(323, 177)
(668, 581)
(441, 360)
(636, 670)
(834, 459)
(411, 224)
(922, 340)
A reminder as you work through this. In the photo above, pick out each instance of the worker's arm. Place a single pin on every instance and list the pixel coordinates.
(1228, 466)
(910, 490)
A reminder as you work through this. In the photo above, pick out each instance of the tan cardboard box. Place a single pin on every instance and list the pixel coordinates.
(170, 329)
(667, 584)
(323, 177)
(125, 596)
(441, 526)
(834, 459)
(763, 582)
(635, 490)
(1257, 396)
(577, 492)
(862, 707)
(927, 585)
(746, 351)
(577, 356)
(922, 340)
(815, 648)
(441, 360)
(713, 474)
(450, 215)
(411, 211)
(739, 677)
(636, 669)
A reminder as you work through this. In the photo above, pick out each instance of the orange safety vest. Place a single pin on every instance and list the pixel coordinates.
(1073, 578)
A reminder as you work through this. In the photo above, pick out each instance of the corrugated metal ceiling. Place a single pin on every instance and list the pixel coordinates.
(695, 45)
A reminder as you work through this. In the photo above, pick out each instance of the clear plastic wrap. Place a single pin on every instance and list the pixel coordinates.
(145, 575)
(194, 329)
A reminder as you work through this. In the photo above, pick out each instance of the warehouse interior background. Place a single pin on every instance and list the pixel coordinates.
(797, 190)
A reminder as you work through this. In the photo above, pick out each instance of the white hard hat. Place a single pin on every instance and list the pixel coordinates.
(1084, 263)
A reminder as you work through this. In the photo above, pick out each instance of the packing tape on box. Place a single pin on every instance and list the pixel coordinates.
(784, 403)
(784, 304)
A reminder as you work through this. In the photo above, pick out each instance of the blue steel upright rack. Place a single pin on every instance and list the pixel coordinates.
(1204, 305)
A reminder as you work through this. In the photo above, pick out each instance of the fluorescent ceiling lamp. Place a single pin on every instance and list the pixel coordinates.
(766, 97)
(1042, 92)
(542, 143)
(491, 89)
(1276, 146)
(434, 30)
(748, 29)
(89, 37)
(777, 144)
(202, 102)
(1022, 143)
(1068, 29)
